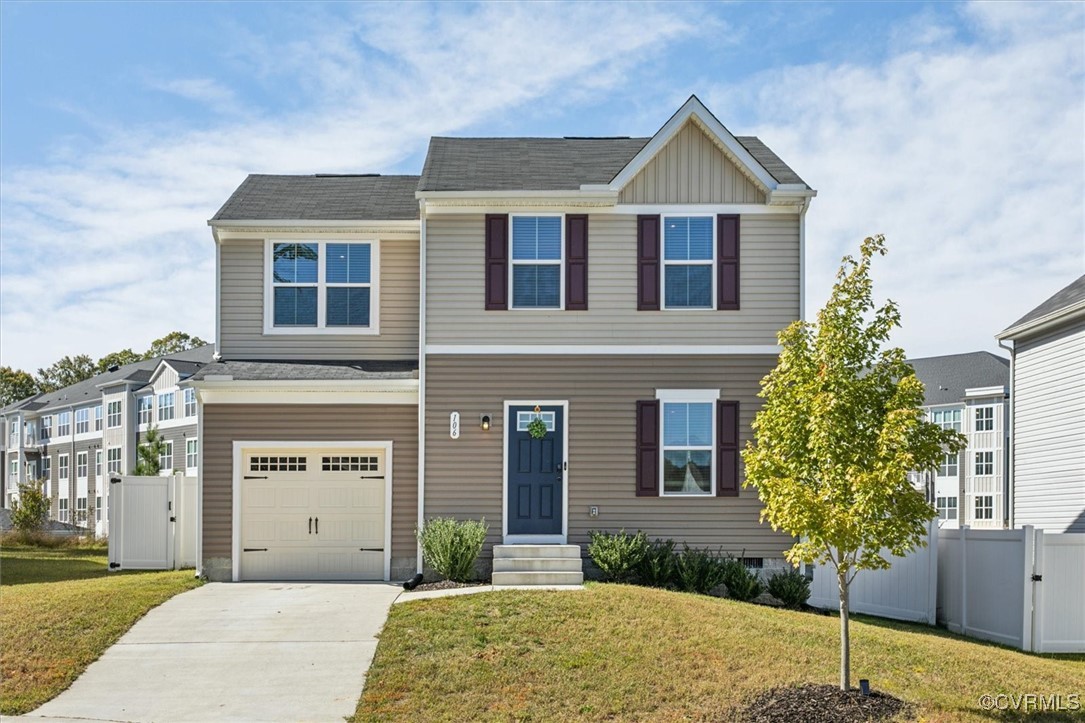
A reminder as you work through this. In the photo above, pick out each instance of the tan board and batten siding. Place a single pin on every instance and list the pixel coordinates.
(691, 168)
(455, 276)
(1049, 431)
(241, 284)
(464, 476)
(225, 423)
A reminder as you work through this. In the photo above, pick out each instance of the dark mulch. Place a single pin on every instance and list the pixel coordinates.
(447, 585)
(821, 704)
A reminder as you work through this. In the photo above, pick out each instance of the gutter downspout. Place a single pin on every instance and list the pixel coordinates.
(1010, 476)
(421, 375)
(802, 258)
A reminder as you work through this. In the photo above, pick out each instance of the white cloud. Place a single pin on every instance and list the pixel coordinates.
(969, 156)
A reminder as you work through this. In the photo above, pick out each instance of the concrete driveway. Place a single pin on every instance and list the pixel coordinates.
(240, 652)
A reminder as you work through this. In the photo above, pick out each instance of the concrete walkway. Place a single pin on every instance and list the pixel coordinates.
(236, 652)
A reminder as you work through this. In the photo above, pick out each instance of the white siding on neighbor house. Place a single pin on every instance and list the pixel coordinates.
(241, 323)
(455, 293)
(1049, 431)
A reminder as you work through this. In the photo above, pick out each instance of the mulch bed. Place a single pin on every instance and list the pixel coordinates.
(446, 585)
(821, 704)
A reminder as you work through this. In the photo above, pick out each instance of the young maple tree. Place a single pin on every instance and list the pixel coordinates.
(840, 429)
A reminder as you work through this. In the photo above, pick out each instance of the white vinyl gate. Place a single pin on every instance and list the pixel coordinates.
(152, 523)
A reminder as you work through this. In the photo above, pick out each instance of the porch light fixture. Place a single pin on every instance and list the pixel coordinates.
(484, 422)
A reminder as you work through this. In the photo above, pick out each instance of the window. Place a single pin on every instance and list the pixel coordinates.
(323, 285)
(948, 467)
(947, 418)
(985, 419)
(97, 464)
(277, 464)
(63, 512)
(145, 409)
(82, 420)
(13, 433)
(947, 508)
(81, 510)
(192, 454)
(165, 406)
(113, 459)
(46, 428)
(536, 266)
(687, 447)
(13, 470)
(64, 424)
(688, 260)
(46, 466)
(63, 470)
(985, 507)
(98, 508)
(985, 463)
(113, 415)
(98, 418)
(165, 460)
(523, 419)
(82, 464)
(190, 402)
(349, 464)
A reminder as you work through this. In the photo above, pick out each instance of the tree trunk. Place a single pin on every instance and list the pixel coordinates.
(845, 641)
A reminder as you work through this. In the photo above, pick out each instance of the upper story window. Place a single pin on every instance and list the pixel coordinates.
(113, 414)
(63, 470)
(985, 419)
(947, 418)
(82, 420)
(145, 409)
(64, 424)
(165, 458)
(165, 406)
(323, 286)
(688, 262)
(13, 432)
(113, 459)
(98, 418)
(190, 402)
(82, 464)
(984, 463)
(948, 466)
(687, 449)
(46, 428)
(536, 266)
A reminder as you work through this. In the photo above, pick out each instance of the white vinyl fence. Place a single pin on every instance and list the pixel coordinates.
(152, 523)
(1016, 587)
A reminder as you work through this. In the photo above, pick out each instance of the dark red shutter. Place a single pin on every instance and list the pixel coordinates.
(726, 449)
(648, 448)
(576, 263)
(648, 257)
(727, 262)
(497, 262)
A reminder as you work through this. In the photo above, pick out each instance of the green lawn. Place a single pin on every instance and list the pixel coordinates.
(59, 610)
(617, 652)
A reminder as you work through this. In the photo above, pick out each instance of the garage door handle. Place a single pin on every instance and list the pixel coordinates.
(318, 525)
(368, 476)
(255, 549)
(371, 549)
(310, 525)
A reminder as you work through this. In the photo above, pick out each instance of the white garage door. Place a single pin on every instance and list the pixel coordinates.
(313, 514)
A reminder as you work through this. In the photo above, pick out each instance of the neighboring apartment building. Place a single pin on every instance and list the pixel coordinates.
(1048, 419)
(969, 393)
(385, 343)
(73, 438)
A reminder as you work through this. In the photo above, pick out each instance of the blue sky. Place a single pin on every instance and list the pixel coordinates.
(957, 129)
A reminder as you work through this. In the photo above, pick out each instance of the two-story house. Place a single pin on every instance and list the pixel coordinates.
(969, 393)
(556, 334)
(72, 439)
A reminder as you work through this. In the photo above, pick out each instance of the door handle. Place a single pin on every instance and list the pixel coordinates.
(310, 525)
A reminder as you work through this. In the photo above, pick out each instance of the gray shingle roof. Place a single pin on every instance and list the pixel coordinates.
(1066, 297)
(548, 164)
(322, 198)
(947, 377)
(309, 371)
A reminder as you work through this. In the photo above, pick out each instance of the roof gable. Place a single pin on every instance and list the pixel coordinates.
(1064, 302)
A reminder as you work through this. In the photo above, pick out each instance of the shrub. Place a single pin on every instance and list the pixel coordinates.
(31, 510)
(618, 554)
(452, 547)
(698, 570)
(43, 539)
(742, 583)
(789, 587)
(657, 569)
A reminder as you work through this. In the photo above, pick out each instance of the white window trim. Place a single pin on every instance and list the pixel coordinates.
(98, 417)
(98, 458)
(559, 262)
(109, 416)
(192, 470)
(975, 464)
(185, 403)
(120, 461)
(321, 289)
(166, 470)
(87, 421)
(86, 473)
(61, 424)
(663, 263)
(686, 396)
(172, 406)
(938, 469)
(64, 467)
(140, 424)
(976, 419)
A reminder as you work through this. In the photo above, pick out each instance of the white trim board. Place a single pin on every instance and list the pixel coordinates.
(605, 349)
(507, 539)
(240, 446)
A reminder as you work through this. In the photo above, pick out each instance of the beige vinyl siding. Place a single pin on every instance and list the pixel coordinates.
(225, 423)
(241, 329)
(464, 476)
(166, 379)
(1049, 431)
(691, 168)
(455, 277)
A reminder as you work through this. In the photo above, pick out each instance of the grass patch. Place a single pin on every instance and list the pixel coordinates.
(59, 610)
(631, 653)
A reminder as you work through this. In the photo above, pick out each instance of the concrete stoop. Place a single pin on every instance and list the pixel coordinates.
(537, 565)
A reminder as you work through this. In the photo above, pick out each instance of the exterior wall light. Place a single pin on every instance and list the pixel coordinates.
(484, 422)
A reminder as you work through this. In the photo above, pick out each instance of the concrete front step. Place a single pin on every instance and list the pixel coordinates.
(526, 551)
(501, 579)
(537, 564)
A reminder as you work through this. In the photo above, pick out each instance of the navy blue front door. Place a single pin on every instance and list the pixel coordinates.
(536, 472)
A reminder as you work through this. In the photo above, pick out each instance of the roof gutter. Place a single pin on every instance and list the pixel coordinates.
(410, 224)
(1044, 322)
